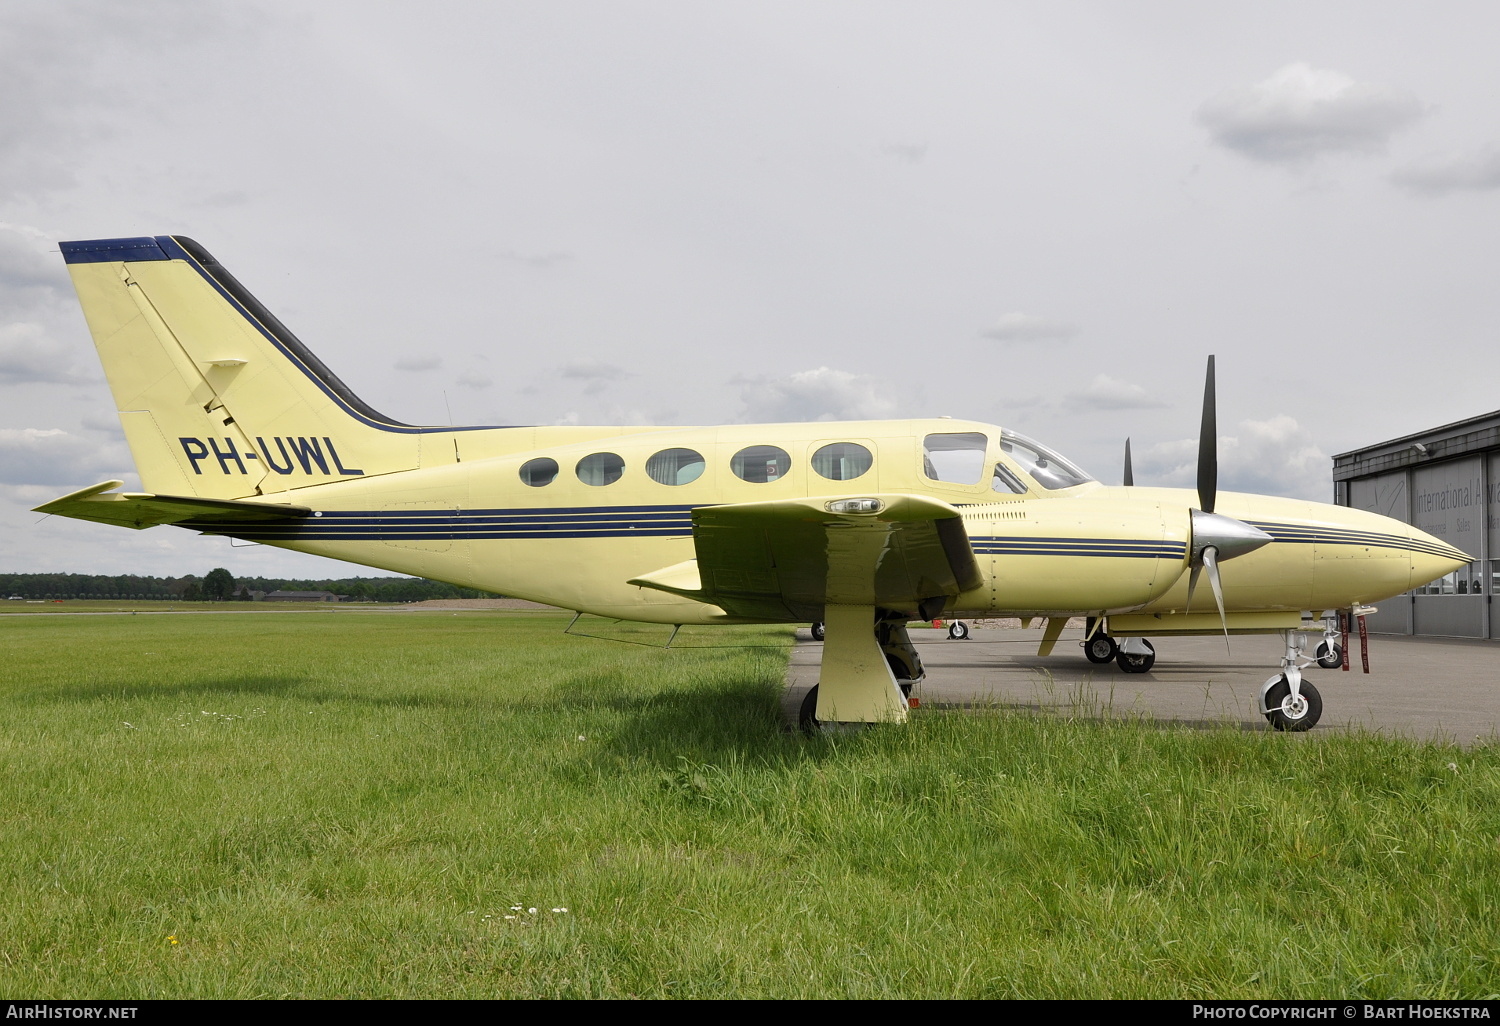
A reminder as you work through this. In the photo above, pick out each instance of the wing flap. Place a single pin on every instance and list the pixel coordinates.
(786, 559)
(140, 510)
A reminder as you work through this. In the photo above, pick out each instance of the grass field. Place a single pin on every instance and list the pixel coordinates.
(268, 805)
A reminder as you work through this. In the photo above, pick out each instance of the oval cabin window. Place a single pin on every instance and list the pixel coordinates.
(759, 464)
(600, 468)
(675, 466)
(538, 472)
(842, 461)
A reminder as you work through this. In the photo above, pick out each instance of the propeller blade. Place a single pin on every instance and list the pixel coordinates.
(1211, 560)
(1208, 446)
(1129, 474)
(1193, 585)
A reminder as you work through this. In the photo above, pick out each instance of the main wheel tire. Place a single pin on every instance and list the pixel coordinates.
(958, 630)
(1330, 657)
(1101, 648)
(1299, 715)
(1136, 663)
(807, 714)
(817, 631)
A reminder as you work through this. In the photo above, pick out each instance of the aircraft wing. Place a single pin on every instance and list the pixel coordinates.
(786, 559)
(139, 510)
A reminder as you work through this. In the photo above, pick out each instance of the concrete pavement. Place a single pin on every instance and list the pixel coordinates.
(1427, 688)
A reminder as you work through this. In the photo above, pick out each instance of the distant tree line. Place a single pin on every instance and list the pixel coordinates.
(219, 586)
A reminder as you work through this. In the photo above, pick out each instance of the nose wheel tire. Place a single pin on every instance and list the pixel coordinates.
(1293, 714)
(1330, 657)
(958, 630)
(1136, 663)
(817, 631)
(1101, 648)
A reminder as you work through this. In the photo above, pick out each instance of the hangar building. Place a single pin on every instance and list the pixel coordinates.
(1445, 481)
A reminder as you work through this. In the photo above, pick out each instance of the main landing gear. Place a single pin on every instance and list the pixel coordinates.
(869, 669)
(1286, 700)
(1330, 649)
(1133, 655)
(1136, 655)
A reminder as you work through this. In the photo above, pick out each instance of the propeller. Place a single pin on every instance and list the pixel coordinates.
(1208, 446)
(1215, 537)
(1129, 478)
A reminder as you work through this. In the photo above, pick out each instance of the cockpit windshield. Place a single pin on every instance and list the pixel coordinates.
(1044, 466)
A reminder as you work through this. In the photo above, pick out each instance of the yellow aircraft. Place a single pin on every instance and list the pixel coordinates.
(237, 429)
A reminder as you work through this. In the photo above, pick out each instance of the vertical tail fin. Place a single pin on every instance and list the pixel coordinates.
(218, 399)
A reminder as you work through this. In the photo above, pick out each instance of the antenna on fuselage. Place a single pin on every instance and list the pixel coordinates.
(1129, 478)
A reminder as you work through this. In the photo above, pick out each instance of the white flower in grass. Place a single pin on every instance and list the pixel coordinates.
(582, 738)
(531, 911)
(559, 910)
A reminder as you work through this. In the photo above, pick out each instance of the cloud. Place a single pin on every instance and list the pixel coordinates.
(60, 66)
(1271, 457)
(1301, 112)
(419, 363)
(28, 356)
(1023, 327)
(473, 379)
(818, 394)
(109, 424)
(29, 261)
(540, 261)
(1107, 393)
(625, 415)
(596, 374)
(51, 456)
(1478, 171)
(911, 153)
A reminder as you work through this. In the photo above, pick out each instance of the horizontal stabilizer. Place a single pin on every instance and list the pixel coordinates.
(139, 510)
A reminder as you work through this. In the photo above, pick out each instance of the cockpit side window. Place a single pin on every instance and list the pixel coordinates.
(1006, 481)
(956, 457)
(1044, 466)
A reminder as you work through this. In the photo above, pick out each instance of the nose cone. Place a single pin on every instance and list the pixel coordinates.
(1431, 558)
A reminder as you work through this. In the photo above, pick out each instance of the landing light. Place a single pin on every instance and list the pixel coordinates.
(854, 506)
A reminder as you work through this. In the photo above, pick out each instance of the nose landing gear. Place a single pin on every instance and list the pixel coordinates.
(1286, 700)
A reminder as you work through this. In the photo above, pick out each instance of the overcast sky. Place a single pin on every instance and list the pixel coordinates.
(1043, 215)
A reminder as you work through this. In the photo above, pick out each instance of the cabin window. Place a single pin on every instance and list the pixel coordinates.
(1046, 467)
(759, 464)
(538, 472)
(1006, 481)
(957, 457)
(600, 468)
(842, 461)
(675, 466)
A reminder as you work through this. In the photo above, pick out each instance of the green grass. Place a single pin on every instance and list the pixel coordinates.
(351, 805)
